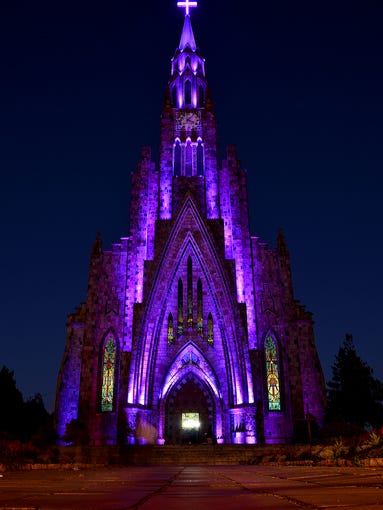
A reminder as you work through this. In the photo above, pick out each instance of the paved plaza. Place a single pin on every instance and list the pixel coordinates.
(194, 488)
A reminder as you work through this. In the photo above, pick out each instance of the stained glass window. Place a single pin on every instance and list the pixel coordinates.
(272, 374)
(199, 308)
(210, 332)
(108, 371)
(190, 293)
(180, 325)
(170, 329)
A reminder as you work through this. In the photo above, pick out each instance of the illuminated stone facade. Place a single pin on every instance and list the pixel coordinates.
(189, 313)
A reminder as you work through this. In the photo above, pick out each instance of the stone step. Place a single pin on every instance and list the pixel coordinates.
(147, 455)
(191, 455)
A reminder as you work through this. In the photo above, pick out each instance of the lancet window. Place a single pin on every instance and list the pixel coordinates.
(188, 159)
(170, 329)
(108, 375)
(272, 374)
(199, 308)
(177, 158)
(190, 293)
(210, 330)
(188, 92)
(180, 319)
(199, 157)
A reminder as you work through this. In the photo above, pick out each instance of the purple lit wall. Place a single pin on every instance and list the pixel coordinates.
(189, 230)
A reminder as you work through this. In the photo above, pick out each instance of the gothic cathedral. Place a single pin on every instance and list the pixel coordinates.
(190, 330)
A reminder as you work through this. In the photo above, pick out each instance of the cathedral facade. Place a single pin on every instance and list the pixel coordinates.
(190, 331)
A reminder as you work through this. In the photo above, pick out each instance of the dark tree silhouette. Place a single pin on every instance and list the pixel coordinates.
(354, 395)
(12, 404)
(22, 420)
(38, 424)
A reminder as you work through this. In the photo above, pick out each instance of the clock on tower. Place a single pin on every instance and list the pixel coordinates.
(188, 120)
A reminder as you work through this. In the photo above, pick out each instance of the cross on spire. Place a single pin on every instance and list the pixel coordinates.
(187, 4)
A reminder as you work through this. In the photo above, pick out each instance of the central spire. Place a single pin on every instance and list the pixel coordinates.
(187, 37)
(187, 85)
(188, 164)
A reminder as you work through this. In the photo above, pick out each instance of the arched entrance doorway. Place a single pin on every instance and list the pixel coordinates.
(190, 414)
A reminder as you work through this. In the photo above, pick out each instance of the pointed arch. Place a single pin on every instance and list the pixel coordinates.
(272, 373)
(177, 157)
(170, 329)
(108, 374)
(188, 158)
(235, 360)
(188, 96)
(199, 308)
(180, 319)
(190, 359)
(210, 329)
(190, 291)
(200, 157)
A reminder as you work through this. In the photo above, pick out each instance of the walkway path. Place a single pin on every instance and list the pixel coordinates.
(195, 488)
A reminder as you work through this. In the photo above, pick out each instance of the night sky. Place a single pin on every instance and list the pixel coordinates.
(298, 86)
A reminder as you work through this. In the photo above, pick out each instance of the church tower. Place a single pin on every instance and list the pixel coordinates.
(190, 331)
